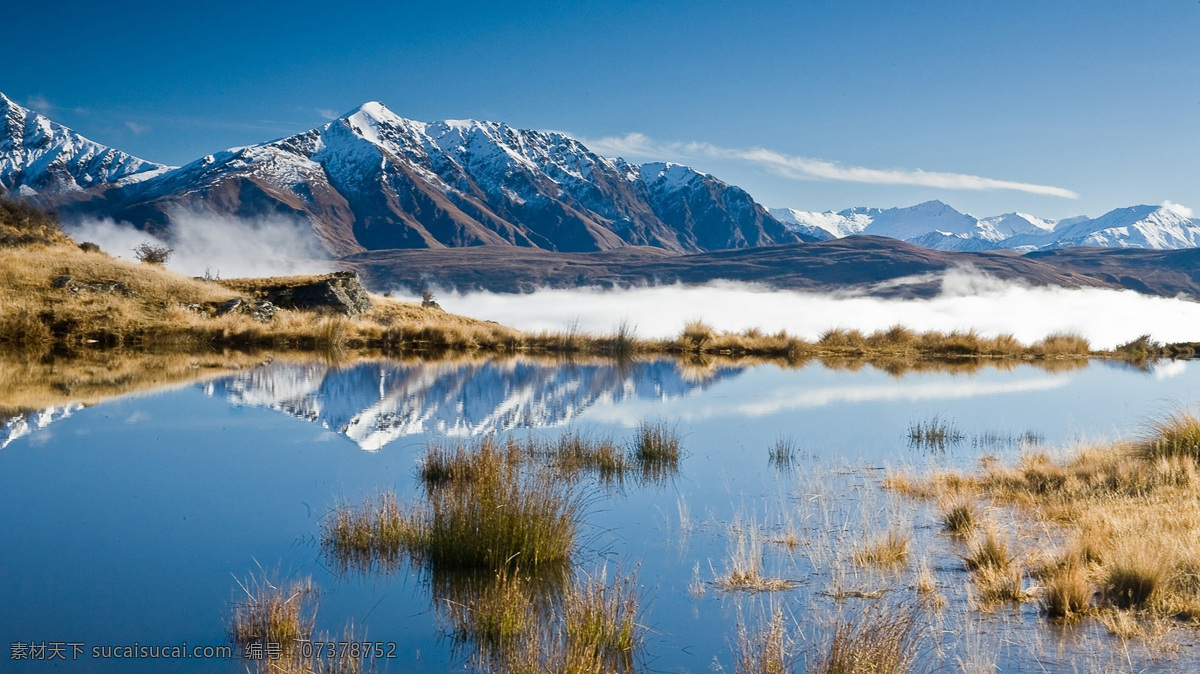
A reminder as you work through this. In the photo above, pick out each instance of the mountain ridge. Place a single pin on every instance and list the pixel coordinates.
(39, 155)
(934, 224)
(372, 180)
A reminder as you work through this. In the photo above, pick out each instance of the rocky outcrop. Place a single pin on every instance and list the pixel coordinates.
(341, 292)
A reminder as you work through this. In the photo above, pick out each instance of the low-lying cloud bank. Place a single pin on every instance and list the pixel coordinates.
(968, 300)
(218, 246)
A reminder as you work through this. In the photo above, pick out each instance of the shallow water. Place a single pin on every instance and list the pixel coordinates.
(134, 520)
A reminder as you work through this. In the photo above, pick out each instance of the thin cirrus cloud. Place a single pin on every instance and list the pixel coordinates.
(808, 168)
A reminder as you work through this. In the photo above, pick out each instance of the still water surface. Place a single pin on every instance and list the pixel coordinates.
(132, 520)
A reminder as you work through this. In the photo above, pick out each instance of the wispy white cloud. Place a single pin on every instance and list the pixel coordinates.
(39, 103)
(326, 113)
(137, 129)
(1178, 208)
(807, 168)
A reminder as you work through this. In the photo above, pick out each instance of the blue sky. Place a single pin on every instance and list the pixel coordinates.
(1060, 108)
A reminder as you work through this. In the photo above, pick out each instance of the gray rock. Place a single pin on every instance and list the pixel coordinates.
(341, 292)
(229, 306)
(263, 312)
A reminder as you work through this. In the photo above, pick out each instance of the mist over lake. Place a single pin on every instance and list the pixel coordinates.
(968, 301)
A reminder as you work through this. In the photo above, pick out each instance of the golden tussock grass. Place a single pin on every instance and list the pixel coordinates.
(282, 614)
(285, 614)
(767, 650)
(484, 507)
(513, 622)
(880, 639)
(959, 515)
(888, 550)
(1129, 513)
(744, 568)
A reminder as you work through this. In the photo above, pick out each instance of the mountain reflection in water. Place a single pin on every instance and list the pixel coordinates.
(376, 402)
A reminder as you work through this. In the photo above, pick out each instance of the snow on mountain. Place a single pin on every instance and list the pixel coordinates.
(1001, 227)
(935, 225)
(375, 403)
(374, 180)
(38, 155)
(1143, 226)
(827, 225)
(897, 223)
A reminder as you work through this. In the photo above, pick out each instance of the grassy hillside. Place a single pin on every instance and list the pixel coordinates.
(59, 296)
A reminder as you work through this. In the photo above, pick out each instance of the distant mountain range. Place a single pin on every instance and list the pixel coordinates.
(466, 204)
(372, 180)
(936, 225)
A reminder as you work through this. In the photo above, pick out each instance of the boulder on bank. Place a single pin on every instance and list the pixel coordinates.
(341, 292)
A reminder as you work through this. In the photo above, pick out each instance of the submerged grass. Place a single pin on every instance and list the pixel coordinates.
(888, 550)
(273, 613)
(484, 508)
(880, 639)
(515, 622)
(657, 450)
(935, 434)
(767, 650)
(744, 568)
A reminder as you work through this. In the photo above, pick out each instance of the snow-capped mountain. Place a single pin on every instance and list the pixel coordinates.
(1158, 227)
(374, 403)
(38, 155)
(936, 225)
(373, 180)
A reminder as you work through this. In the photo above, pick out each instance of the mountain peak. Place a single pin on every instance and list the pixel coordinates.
(40, 155)
(372, 112)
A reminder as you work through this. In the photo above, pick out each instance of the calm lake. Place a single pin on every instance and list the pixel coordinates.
(135, 520)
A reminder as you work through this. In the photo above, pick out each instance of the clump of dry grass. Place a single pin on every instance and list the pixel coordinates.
(1066, 593)
(1062, 344)
(744, 568)
(657, 449)
(890, 549)
(485, 507)
(519, 623)
(494, 613)
(882, 638)
(696, 335)
(270, 613)
(959, 515)
(767, 650)
(601, 617)
(1131, 579)
(997, 576)
(1130, 513)
(372, 536)
(574, 454)
(936, 434)
(1175, 434)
